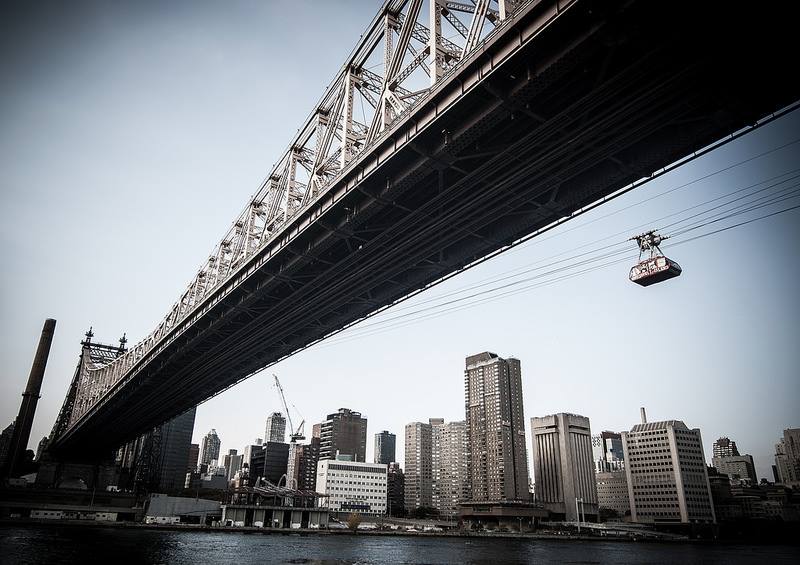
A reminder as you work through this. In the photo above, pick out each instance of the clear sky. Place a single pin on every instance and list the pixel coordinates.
(131, 134)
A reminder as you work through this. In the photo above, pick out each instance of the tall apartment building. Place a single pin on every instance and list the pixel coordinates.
(209, 448)
(724, 447)
(419, 465)
(275, 429)
(396, 490)
(194, 457)
(787, 458)
(301, 471)
(498, 464)
(666, 471)
(727, 460)
(344, 433)
(607, 452)
(449, 466)
(385, 447)
(563, 465)
(612, 492)
(353, 486)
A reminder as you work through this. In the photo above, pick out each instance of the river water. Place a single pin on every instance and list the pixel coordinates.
(40, 545)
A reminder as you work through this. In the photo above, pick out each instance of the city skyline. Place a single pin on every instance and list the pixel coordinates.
(724, 328)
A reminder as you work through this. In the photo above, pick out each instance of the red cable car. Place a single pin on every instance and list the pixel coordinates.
(657, 267)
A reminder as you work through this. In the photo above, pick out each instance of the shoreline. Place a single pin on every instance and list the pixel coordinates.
(29, 523)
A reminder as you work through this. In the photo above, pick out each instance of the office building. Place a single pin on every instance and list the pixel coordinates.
(498, 464)
(209, 448)
(666, 471)
(194, 457)
(740, 468)
(563, 466)
(787, 458)
(176, 441)
(724, 447)
(353, 486)
(385, 447)
(231, 462)
(607, 452)
(396, 490)
(449, 466)
(343, 433)
(612, 492)
(301, 471)
(268, 461)
(276, 428)
(419, 465)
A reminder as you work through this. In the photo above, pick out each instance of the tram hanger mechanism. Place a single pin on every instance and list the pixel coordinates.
(657, 267)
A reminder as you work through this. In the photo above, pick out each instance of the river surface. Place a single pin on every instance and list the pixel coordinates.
(40, 545)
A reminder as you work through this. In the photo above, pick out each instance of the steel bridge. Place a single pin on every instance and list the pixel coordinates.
(530, 111)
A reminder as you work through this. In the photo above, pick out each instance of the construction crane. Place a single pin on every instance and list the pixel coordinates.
(295, 435)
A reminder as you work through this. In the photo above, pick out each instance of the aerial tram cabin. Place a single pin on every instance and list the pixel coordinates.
(657, 267)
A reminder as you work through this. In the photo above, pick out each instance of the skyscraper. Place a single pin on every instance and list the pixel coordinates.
(498, 465)
(449, 466)
(667, 475)
(395, 490)
(176, 439)
(724, 447)
(232, 462)
(384, 447)
(276, 428)
(194, 456)
(727, 460)
(563, 466)
(268, 461)
(607, 452)
(209, 448)
(419, 466)
(787, 458)
(301, 471)
(345, 433)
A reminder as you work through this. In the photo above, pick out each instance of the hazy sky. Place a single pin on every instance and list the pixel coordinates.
(131, 134)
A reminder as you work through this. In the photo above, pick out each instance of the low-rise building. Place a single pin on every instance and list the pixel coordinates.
(353, 486)
(612, 492)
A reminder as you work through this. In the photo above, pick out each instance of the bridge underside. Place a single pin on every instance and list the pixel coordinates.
(605, 94)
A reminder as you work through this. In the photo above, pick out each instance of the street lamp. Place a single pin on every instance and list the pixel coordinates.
(578, 513)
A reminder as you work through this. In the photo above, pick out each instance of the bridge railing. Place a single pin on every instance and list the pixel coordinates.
(397, 61)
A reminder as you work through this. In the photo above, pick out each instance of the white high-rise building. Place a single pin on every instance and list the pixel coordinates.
(276, 428)
(353, 486)
(209, 448)
(666, 470)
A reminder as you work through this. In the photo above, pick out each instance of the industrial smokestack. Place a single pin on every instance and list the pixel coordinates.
(644, 415)
(24, 421)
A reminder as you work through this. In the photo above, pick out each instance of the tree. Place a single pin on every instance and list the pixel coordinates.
(353, 521)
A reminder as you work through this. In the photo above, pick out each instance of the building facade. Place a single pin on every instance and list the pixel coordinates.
(419, 465)
(275, 429)
(563, 465)
(667, 475)
(209, 448)
(449, 466)
(396, 490)
(724, 447)
(739, 468)
(787, 458)
(612, 492)
(176, 441)
(344, 433)
(231, 462)
(302, 467)
(495, 423)
(194, 457)
(385, 447)
(269, 461)
(607, 452)
(353, 486)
